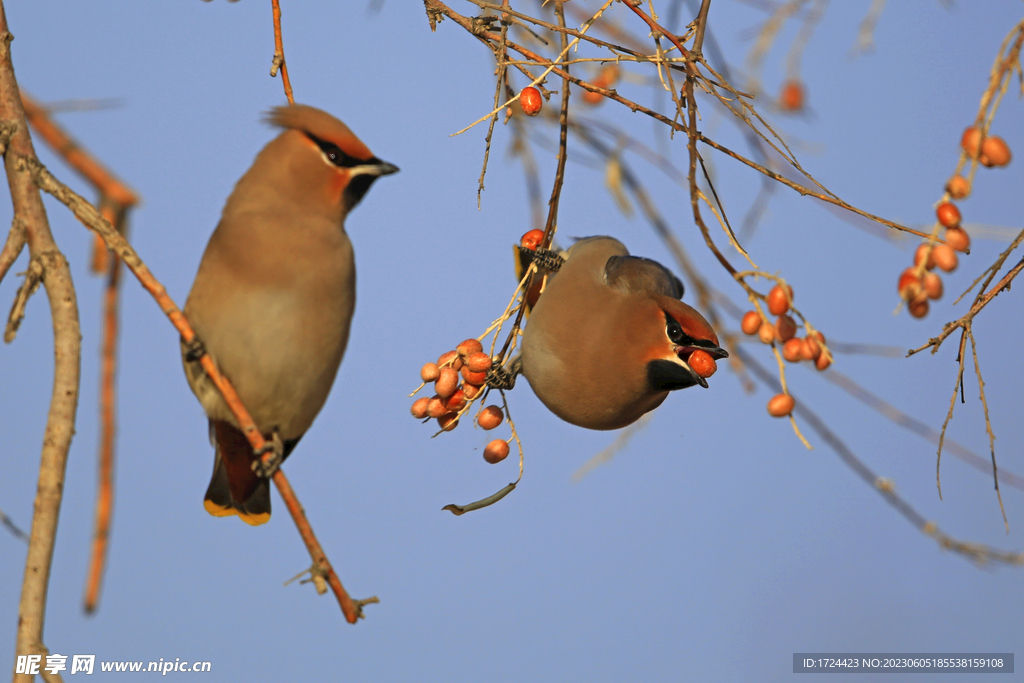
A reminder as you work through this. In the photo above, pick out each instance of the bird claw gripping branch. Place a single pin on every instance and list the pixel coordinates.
(500, 378)
(194, 350)
(484, 23)
(546, 259)
(266, 469)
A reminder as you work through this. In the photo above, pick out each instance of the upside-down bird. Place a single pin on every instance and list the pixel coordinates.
(274, 296)
(609, 337)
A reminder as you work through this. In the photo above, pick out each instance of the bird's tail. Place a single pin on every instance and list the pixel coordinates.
(234, 488)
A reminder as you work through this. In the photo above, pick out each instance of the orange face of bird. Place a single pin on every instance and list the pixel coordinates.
(686, 332)
(349, 166)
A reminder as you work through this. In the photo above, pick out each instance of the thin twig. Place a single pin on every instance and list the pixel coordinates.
(808, 192)
(279, 62)
(976, 552)
(91, 169)
(501, 58)
(980, 302)
(13, 246)
(551, 225)
(914, 425)
(988, 425)
(108, 405)
(12, 527)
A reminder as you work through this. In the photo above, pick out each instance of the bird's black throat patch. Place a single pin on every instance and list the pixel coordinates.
(664, 375)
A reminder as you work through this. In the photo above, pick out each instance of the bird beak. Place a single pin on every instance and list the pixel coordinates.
(713, 350)
(374, 167)
(706, 346)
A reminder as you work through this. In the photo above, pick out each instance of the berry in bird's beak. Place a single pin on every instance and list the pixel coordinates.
(700, 360)
(702, 363)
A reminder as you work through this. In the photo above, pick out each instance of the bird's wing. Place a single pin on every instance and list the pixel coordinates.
(636, 275)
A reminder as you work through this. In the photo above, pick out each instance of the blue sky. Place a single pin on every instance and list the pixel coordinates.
(711, 548)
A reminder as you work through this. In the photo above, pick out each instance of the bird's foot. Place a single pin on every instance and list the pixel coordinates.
(504, 377)
(266, 467)
(546, 259)
(194, 350)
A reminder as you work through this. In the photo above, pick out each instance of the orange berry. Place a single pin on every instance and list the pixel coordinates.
(909, 285)
(780, 405)
(812, 348)
(778, 302)
(609, 75)
(958, 239)
(793, 350)
(477, 378)
(447, 383)
(824, 360)
(447, 422)
(435, 407)
(995, 152)
(478, 362)
(957, 187)
(530, 100)
(818, 336)
(918, 309)
(606, 78)
(766, 333)
(455, 402)
(451, 358)
(785, 328)
(791, 97)
(531, 240)
(945, 258)
(470, 390)
(490, 417)
(469, 347)
(702, 363)
(429, 372)
(971, 141)
(932, 285)
(751, 322)
(419, 408)
(948, 215)
(496, 451)
(919, 256)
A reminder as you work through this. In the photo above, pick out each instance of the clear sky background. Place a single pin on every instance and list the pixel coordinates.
(711, 548)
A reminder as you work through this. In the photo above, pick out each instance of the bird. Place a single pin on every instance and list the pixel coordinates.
(273, 298)
(609, 337)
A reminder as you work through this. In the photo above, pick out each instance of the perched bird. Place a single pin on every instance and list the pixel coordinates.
(609, 337)
(274, 296)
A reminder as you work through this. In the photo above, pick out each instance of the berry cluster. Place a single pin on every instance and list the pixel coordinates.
(991, 151)
(918, 284)
(460, 377)
(794, 349)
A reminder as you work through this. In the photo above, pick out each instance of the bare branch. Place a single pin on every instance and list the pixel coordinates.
(56, 277)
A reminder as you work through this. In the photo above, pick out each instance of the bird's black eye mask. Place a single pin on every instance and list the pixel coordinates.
(687, 344)
(357, 186)
(678, 337)
(665, 375)
(334, 153)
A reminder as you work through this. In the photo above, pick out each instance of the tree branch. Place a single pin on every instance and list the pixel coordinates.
(30, 213)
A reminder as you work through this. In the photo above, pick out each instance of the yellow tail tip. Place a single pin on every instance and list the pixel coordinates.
(218, 510)
(254, 520)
